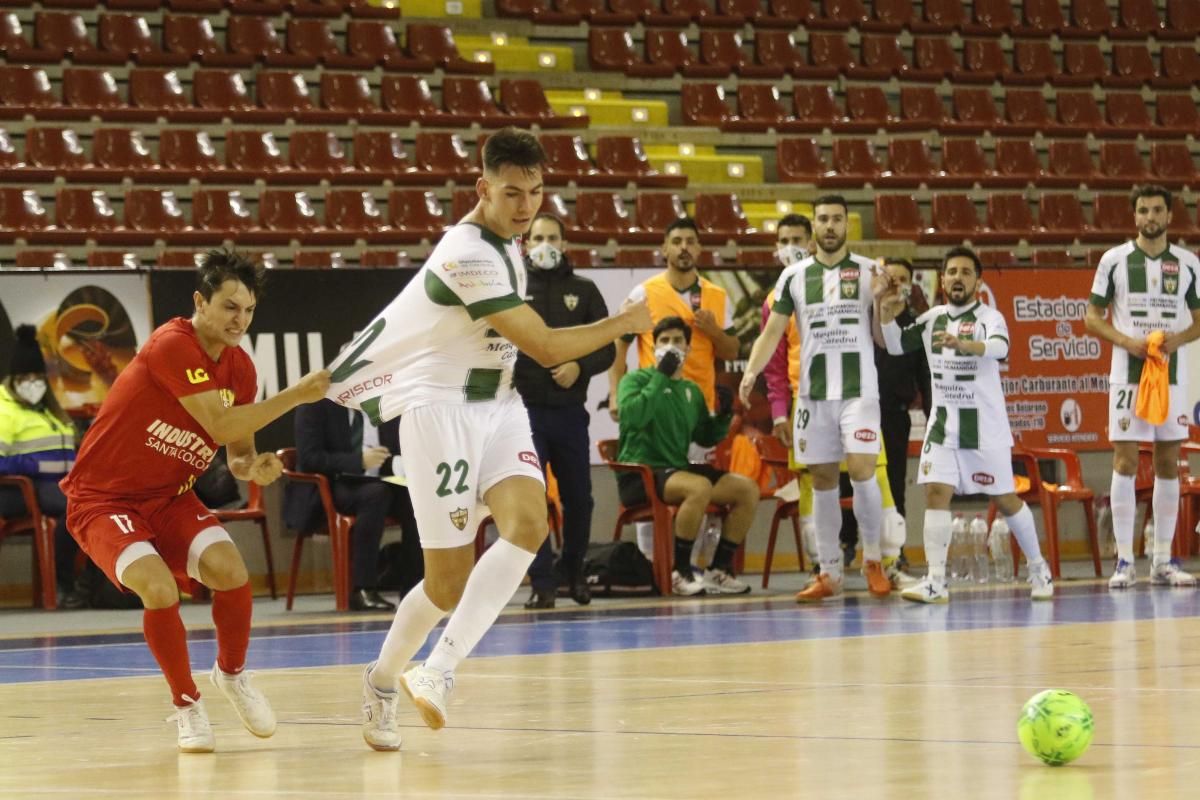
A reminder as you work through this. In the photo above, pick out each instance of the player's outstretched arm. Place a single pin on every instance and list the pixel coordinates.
(523, 327)
(226, 425)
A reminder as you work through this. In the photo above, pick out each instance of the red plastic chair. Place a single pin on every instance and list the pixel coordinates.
(223, 92)
(1069, 163)
(1132, 66)
(897, 216)
(284, 92)
(318, 154)
(128, 37)
(41, 527)
(1061, 217)
(1031, 490)
(799, 160)
(964, 159)
(254, 153)
(881, 59)
(828, 56)
(974, 111)
(759, 108)
(348, 94)
(84, 213)
(337, 527)
(187, 153)
(934, 57)
(854, 163)
(774, 455)
(67, 34)
(1175, 114)
(21, 214)
(376, 42)
(470, 98)
(669, 49)
(954, 218)
(1089, 19)
(123, 151)
(777, 50)
(25, 88)
(1040, 18)
(58, 149)
(1083, 64)
(1137, 19)
(443, 155)
(416, 215)
(256, 513)
(1033, 62)
(909, 164)
(602, 215)
(436, 43)
(704, 104)
(157, 91)
(256, 37)
(1121, 164)
(287, 213)
(867, 108)
(91, 91)
(152, 214)
(815, 108)
(409, 98)
(221, 213)
(921, 108)
(193, 37)
(657, 210)
(526, 98)
(940, 16)
(984, 61)
(354, 211)
(1078, 113)
(624, 158)
(313, 39)
(720, 216)
(1171, 163)
(1180, 67)
(381, 152)
(1183, 20)
(1017, 161)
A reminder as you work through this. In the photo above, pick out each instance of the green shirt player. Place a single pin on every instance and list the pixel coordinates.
(1147, 284)
(968, 444)
(662, 413)
(831, 294)
(441, 356)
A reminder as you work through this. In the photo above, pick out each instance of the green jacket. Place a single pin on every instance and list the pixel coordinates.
(661, 416)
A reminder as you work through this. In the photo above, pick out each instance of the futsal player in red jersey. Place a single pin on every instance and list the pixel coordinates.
(130, 503)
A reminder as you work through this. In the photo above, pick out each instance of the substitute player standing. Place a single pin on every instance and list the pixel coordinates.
(441, 355)
(968, 444)
(130, 503)
(1149, 284)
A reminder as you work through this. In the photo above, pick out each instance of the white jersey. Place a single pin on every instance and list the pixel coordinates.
(1146, 294)
(432, 345)
(833, 315)
(968, 411)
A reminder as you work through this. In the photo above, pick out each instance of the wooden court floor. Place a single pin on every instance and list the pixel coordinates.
(698, 699)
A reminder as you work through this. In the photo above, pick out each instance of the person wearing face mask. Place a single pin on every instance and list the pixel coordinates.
(662, 413)
(556, 398)
(37, 439)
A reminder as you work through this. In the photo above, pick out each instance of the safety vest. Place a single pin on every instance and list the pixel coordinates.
(664, 301)
(34, 441)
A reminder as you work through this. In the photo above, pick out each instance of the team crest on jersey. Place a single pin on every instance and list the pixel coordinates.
(926, 466)
(226, 396)
(450, 266)
(966, 328)
(802, 444)
(570, 301)
(1123, 423)
(458, 517)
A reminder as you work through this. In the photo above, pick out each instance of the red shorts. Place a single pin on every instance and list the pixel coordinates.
(166, 525)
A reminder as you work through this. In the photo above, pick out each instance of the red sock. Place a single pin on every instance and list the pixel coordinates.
(168, 643)
(231, 611)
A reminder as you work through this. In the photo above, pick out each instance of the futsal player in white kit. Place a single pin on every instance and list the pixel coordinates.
(441, 356)
(968, 442)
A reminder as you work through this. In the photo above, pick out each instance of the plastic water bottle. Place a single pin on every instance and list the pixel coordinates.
(958, 549)
(1148, 535)
(1104, 529)
(706, 543)
(979, 552)
(998, 544)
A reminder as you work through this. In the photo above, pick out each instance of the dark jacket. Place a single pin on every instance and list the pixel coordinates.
(323, 445)
(564, 300)
(903, 378)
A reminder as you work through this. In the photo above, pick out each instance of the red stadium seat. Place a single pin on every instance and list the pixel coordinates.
(1078, 113)
(284, 92)
(384, 259)
(1175, 114)
(881, 58)
(66, 33)
(657, 210)
(194, 37)
(254, 154)
(799, 160)
(828, 56)
(1132, 66)
(1121, 164)
(1127, 115)
(815, 108)
(355, 212)
(854, 163)
(704, 104)
(1040, 18)
(921, 108)
(1009, 216)
(1181, 221)
(188, 153)
(152, 214)
(82, 213)
(376, 40)
(57, 149)
(1180, 67)
(953, 218)
(567, 159)
(756, 13)
(934, 56)
(898, 217)
(220, 213)
(1172, 164)
(21, 214)
(983, 62)
(624, 158)
(611, 49)
(92, 90)
(1069, 164)
(415, 215)
(123, 152)
(436, 43)
(600, 216)
(470, 98)
(1137, 19)
(525, 97)
(778, 50)
(409, 97)
(1183, 20)
(256, 37)
(318, 259)
(313, 39)
(844, 13)
(285, 214)
(1017, 160)
(867, 109)
(909, 164)
(638, 258)
(759, 108)
(1089, 19)
(1025, 113)
(222, 91)
(1060, 217)
(1111, 217)
(444, 156)
(703, 13)
(964, 163)
(1083, 65)
(974, 111)
(128, 36)
(347, 93)
(1033, 63)
(318, 154)
(890, 15)
(16, 47)
(720, 217)
(157, 91)
(1053, 258)
(991, 18)
(669, 48)
(997, 258)
(940, 16)
(42, 259)
(381, 153)
(726, 47)
(113, 259)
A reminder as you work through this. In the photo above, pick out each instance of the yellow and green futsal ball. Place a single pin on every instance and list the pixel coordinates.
(1055, 727)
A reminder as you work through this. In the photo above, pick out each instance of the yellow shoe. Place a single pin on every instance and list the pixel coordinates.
(822, 587)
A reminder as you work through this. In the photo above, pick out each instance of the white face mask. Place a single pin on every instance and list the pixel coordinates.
(906, 291)
(663, 349)
(789, 254)
(545, 256)
(32, 391)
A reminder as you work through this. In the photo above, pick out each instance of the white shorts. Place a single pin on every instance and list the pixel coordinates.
(453, 454)
(1126, 426)
(824, 431)
(968, 471)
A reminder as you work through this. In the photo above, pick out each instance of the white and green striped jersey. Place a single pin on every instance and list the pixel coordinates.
(431, 344)
(968, 412)
(1146, 294)
(832, 306)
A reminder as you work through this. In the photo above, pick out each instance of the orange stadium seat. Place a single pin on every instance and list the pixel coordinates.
(1017, 160)
(854, 163)
(799, 160)
(416, 215)
(443, 155)
(1171, 163)
(376, 41)
(1033, 63)
(778, 50)
(151, 214)
(624, 158)
(897, 216)
(318, 154)
(128, 36)
(67, 34)
(185, 154)
(436, 43)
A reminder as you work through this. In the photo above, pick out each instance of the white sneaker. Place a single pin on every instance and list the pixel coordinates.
(250, 704)
(718, 581)
(430, 692)
(688, 586)
(1041, 581)
(927, 591)
(379, 715)
(1124, 576)
(195, 733)
(1169, 574)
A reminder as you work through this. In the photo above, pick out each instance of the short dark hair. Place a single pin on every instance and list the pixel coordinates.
(513, 146)
(1150, 190)
(224, 264)
(903, 262)
(831, 200)
(796, 221)
(962, 251)
(673, 324)
(681, 222)
(562, 229)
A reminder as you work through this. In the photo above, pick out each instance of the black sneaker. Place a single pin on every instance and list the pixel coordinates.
(540, 599)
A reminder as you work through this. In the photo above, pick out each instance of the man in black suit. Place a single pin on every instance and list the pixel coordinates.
(355, 456)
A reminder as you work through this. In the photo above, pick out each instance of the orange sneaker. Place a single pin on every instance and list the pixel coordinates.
(822, 587)
(878, 584)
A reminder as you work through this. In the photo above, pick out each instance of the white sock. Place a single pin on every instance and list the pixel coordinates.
(827, 514)
(415, 618)
(937, 543)
(1166, 513)
(490, 587)
(1124, 508)
(645, 538)
(868, 510)
(893, 534)
(1023, 527)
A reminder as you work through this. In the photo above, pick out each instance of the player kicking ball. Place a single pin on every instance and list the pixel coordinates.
(968, 443)
(441, 357)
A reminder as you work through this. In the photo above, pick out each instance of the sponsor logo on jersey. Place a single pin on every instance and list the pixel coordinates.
(226, 396)
(1123, 423)
(458, 518)
(173, 442)
(197, 375)
(450, 266)
(865, 435)
(570, 301)
(966, 328)
(530, 458)
(350, 392)
(850, 274)
(1170, 268)
(983, 478)
(926, 466)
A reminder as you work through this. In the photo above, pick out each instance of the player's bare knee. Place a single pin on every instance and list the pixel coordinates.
(745, 491)
(222, 568)
(527, 531)
(444, 591)
(1009, 504)
(155, 589)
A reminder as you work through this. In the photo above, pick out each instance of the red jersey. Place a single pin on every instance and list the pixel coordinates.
(144, 443)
